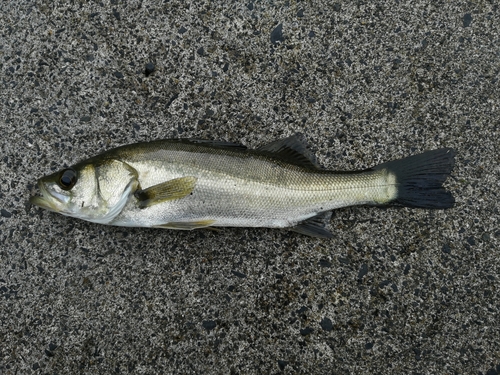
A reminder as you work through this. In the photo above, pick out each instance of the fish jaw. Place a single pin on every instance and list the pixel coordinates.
(51, 201)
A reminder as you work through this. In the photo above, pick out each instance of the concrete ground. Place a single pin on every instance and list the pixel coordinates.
(396, 291)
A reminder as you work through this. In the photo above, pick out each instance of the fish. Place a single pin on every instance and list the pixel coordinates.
(192, 183)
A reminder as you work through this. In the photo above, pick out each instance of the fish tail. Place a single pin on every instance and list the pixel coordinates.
(419, 179)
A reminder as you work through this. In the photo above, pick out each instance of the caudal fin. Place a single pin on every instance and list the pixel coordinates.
(419, 179)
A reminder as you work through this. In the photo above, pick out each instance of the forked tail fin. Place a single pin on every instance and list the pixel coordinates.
(419, 179)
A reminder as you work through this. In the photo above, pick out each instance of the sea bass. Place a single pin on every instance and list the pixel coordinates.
(188, 184)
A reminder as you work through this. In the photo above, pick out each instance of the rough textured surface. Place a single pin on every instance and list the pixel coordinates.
(396, 291)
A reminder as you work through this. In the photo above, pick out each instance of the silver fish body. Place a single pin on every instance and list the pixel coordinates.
(187, 184)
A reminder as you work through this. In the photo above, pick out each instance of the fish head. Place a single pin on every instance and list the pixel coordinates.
(95, 191)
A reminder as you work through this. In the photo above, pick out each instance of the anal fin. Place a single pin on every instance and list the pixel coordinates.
(315, 226)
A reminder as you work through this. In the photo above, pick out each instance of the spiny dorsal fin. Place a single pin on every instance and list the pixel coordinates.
(218, 144)
(291, 150)
(315, 226)
(173, 189)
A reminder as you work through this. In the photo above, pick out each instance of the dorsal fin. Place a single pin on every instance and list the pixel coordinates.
(291, 150)
(218, 144)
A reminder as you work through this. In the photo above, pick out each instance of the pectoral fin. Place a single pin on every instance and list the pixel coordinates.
(187, 225)
(173, 189)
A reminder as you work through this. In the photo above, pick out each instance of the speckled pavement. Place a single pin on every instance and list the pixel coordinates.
(396, 291)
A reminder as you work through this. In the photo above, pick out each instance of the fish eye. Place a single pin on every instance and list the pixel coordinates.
(67, 179)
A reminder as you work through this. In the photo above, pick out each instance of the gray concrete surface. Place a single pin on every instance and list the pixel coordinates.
(397, 291)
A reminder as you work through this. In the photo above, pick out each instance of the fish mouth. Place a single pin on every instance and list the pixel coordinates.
(45, 199)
